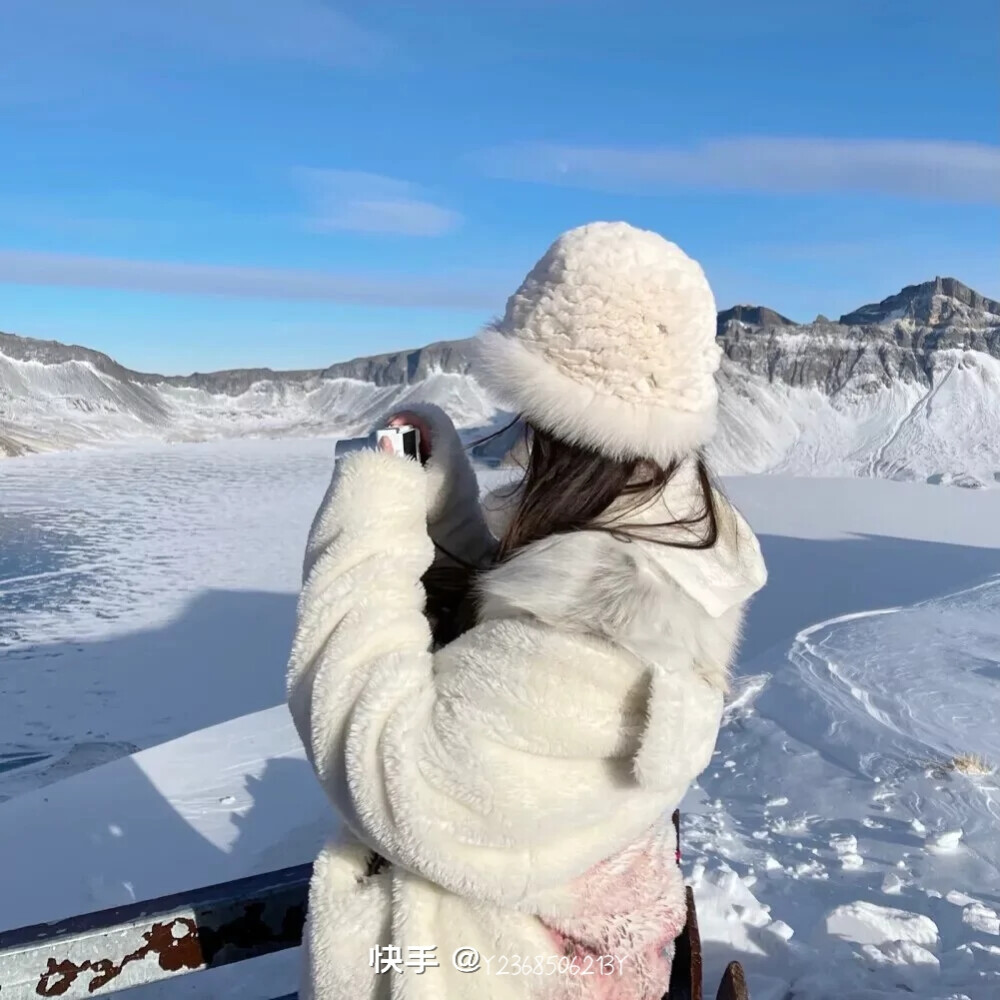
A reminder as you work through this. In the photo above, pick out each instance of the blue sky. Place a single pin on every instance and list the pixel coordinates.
(198, 184)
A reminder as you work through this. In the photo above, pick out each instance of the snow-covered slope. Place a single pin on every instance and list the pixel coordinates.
(908, 388)
(823, 841)
(54, 397)
(941, 428)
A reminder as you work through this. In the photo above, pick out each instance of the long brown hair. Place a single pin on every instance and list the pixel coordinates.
(567, 487)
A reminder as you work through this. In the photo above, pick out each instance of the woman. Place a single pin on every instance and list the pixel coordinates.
(506, 790)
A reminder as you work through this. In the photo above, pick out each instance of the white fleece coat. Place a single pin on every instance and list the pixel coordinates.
(520, 779)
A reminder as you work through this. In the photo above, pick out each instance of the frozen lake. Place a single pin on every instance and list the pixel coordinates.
(145, 593)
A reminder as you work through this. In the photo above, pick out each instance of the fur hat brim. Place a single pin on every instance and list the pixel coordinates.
(525, 383)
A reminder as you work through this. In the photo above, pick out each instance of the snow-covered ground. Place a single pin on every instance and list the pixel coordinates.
(148, 594)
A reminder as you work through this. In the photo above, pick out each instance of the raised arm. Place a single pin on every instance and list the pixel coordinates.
(454, 518)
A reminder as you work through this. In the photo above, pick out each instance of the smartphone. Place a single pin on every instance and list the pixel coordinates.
(405, 440)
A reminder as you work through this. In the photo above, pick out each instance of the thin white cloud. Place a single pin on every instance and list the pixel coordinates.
(360, 202)
(458, 291)
(97, 49)
(938, 170)
(264, 30)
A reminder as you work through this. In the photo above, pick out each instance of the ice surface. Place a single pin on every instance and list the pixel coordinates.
(149, 593)
(146, 593)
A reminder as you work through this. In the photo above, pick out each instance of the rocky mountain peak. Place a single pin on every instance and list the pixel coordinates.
(752, 316)
(943, 300)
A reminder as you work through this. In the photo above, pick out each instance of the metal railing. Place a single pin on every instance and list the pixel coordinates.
(101, 953)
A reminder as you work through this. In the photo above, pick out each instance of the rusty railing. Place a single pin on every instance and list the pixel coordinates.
(101, 953)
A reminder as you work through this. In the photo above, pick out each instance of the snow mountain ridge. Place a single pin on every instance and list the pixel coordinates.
(906, 388)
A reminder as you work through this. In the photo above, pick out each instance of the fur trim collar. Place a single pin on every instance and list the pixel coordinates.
(631, 591)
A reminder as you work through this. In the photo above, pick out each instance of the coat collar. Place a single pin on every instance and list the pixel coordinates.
(585, 568)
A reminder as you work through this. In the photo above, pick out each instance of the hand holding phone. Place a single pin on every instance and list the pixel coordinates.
(407, 418)
(417, 443)
(399, 439)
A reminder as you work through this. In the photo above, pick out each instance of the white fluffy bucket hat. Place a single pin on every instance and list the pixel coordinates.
(610, 343)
